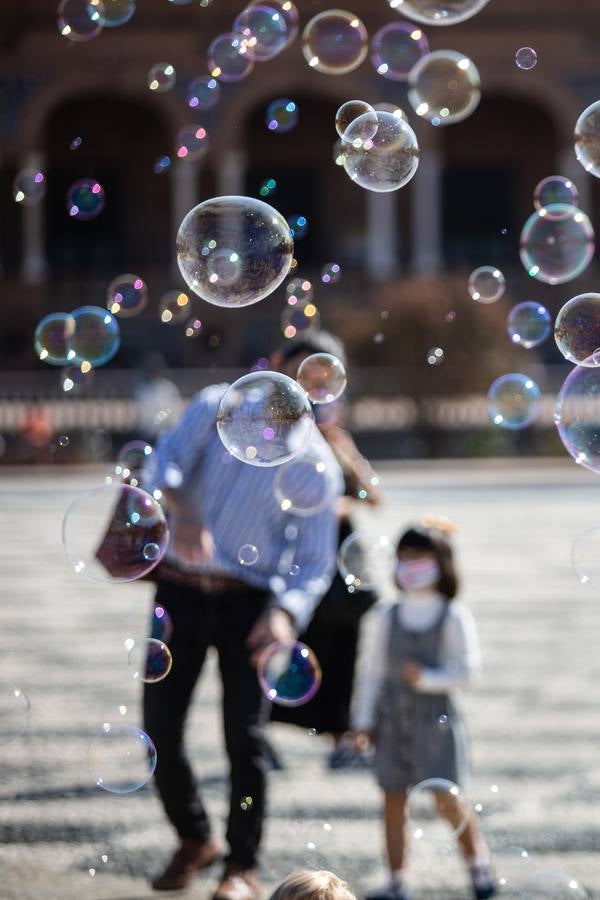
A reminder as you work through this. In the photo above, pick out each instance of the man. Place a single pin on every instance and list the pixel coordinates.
(218, 506)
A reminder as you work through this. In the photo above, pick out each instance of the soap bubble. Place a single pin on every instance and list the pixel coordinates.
(191, 142)
(322, 376)
(555, 189)
(529, 324)
(85, 199)
(350, 111)
(428, 805)
(268, 187)
(577, 416)
(289, 673)
(587, 139)
(29, 187)
(72, 378)
(161, 626)
(577, 330)
(396, 49)
(264, 419)
(298, 225)
(132, 459)
(149, 660)
(553, 886)
(247, 555)
(228, 58)
(96, 336)
(438, 12)
(263, 30)
(486, 284)
(363, 559)
(435, 356)
(513, 401)
(112, 13)
(78, 20)
(585, 556)
(305, 485)
(52, 338)
(162, 77)
(331, 273)
(392, 108)
(299, 291)
(121, 758)
(299, 319)
(174, 307)
(288, 12)
(334, 42)
(193, 328)
(106, 530)
(162, 164)
(557, 243)
(444, 87)
(203, 92)
(14, 713)
(512, 866)
(385, 162)
(526, 58)
(281, 115)
(234, 251)
(127, 296)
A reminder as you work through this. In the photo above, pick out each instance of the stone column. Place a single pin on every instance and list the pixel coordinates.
(34, 265)
(184, 196)
(231, 173)
(426, 210)
(382, 235)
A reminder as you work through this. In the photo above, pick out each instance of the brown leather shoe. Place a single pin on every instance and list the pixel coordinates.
(238, 884)
(189, 859)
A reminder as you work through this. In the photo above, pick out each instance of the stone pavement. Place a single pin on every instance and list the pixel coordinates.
(533, 717)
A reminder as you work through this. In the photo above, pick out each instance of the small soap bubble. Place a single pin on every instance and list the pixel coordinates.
(555, 189)
(299, 319)
(96, 337)
(323, 377)
(281, 115)
(149, 660)
(435, 356)
(289, 673)
(334, 42)
(174, 307)
(331, 273)
(247, 555)
(85, 199)
(526, 58)
(228, 58)
(557, 243)
(268, 187)
(438, 812)
(63, 440)
(193, 328)
(298, 225)
(203, 93)
(29, 187)
(162, 164)
(529, 324)
(76, 143)
(486, 284)
(162, 77)
(513, 401)
(127, 296)
(191, 142)
(304, 486)
(294, 570)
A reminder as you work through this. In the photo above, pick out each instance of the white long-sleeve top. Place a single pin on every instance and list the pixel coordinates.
(460, 656)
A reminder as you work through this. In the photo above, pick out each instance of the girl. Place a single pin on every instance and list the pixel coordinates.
(308, 885)
(426, 645)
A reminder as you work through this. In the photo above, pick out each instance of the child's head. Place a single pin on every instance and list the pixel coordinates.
(425, 560)
(307, 885)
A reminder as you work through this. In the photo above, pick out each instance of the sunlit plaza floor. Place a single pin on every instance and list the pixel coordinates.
(534, 717)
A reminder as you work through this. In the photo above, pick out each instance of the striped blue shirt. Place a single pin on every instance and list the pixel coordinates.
(237, 504)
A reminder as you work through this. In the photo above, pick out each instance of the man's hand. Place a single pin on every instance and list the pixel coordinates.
(191, 543)
(411, 673)
(274, 625)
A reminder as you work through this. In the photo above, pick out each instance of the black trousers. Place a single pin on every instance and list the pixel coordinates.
(202, 620)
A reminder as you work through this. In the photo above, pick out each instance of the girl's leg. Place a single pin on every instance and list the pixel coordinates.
(395, 829)
(470, 837)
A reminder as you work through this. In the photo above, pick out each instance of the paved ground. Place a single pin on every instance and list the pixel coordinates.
(534, 717)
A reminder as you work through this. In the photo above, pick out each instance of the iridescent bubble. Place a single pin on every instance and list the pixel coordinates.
(174, 307)
(228, 59)
(299, 319)
(121, 758)
(72, 378)
(52, 338)
(553, 886)
(247, 555)
(323, 377)
(162, 164)
(253, 231)
(263, 29)
(298, 225)
(264, 419)
(64, 440)
(396, 49)
(299, 291)
(486, 284)
(112, 13)
(78, 21)
(513, 401)
(392, 108)
(577, 416)
(350, 111)
(363, 559)
(162, 77)
(268, 187)
(437, 811)
(526, 58)
(14, 713)
(385, 162)
(75, 143)
(435, 356)
(149, 661)
(557, 243)
(587, 139)
(203, 93)
(335, 42)
(29, 187)
(85, 199)
(191, 142)
(289, 13)
(132, 459)
(438, 12)
(289, 673)
(161, 626)
(444, 87)
(555, 189)
(331, 273)
(513, 867)
(585, 556)
(193, 328)
(105, 531)
(305, 485)
(97, 336)
(281, 115)
(577, 330)
(127, 295)
(529, 324)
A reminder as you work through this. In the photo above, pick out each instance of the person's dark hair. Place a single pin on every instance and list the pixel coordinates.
(313, 342)
(436, 542)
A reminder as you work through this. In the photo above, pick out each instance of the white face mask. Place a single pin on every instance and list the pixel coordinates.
(417, 573)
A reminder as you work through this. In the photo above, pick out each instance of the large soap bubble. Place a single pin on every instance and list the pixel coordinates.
(577, 330)
(577, 415)
(557, 243)
(121, 758)
(587, 139)
(334, 42)
(264, 419)
(438, 12)
(234, 251)
(384, 161)
(513, 401)
(444, 87)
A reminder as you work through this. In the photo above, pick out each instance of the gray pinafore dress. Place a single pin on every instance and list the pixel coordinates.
(417, 735)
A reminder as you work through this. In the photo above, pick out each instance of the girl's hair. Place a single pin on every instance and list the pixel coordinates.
(434, 540)
(307, 885)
